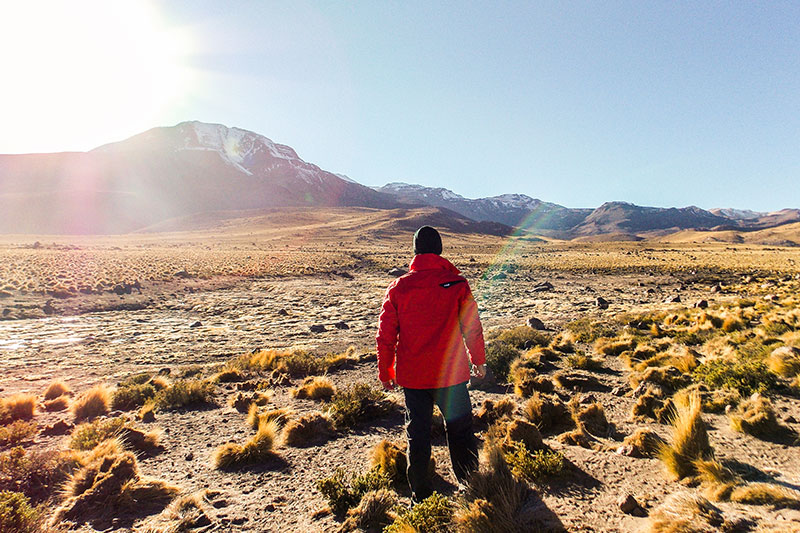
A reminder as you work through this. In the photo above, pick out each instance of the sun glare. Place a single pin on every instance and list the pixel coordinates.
(78, 74)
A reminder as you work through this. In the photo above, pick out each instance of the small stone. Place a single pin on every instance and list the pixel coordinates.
(189, 456)
(601, 302)
(619, 391)
(701, 304)
(535, 323)
(164, 371)
(219, 504)
(48, 309)
(317, 328)
(542, 287)
(626, 450)
(182, 274)
(283, 312)
(341, 325)
(627, 504)
(771, 298)
(269, 508)
(196, 324)
(716, 288)
(397, 272)
(675, 298)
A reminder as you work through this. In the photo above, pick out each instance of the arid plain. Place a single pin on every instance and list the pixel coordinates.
(638, 336)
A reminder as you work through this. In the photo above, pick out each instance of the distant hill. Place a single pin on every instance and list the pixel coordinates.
(161, 174)
(197, 173)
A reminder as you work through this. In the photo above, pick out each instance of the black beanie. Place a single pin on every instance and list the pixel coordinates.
(427, 241)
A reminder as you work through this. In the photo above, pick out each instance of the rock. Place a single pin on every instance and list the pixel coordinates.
(196, 324)
(341, 325)
(619, 391)
(121, 288)
(674, 299)
(716, 288)
(166, 371)
(62, 294)
(6, 311)
(148, 416)
(5, 294)
(587, 398)
(487, 382)
(535, 323)
(59, 428)
(771, 297)
(542, 287)
(701, 304)
(500, 275)
(182, 274)
(189, 456)
(628, 504)
(397, 272)
(48, 309)
(601, 302)
(269, 508)
(627, 450)
(317, 328)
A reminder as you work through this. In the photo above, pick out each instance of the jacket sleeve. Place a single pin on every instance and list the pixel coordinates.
(386, 339)
(471, 329)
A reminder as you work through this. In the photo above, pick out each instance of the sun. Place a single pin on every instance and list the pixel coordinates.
(77, 74)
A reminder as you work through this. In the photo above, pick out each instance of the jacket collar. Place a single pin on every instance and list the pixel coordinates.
(431, 262)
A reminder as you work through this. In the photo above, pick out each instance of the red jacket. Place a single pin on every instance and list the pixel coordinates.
(427, 317)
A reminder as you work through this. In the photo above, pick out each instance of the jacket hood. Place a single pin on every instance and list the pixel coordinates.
(432, 262)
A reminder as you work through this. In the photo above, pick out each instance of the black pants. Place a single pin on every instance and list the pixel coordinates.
(455, 406)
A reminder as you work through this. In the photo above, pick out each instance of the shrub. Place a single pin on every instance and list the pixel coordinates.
(522, 337)
(132, 396)
(499, 357)
(88, 435)
(17, 407)
(343, 491)
(301, 363)
(546, 413)
(744, 375)
(310, 429)
(535, 466)
(16, 432)
(185, 393)
(433, 514)
(755, 416)
(358, 403)
(56, 389)
(713, 401)
(256, 449)
(315, 388)
(689, 440)
(92, 403)
(373, 513)
(16, 513)
(38, 475)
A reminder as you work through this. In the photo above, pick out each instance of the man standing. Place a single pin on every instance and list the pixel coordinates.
(427, 317)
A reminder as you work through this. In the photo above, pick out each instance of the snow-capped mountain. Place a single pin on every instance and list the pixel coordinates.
(164, 173)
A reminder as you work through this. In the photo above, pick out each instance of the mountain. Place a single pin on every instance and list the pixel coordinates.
(510, 209)
(162, 174)
(625, 218)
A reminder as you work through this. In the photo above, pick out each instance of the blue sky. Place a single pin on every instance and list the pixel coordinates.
(655, 103)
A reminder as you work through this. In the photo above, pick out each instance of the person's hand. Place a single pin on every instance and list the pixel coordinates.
(389, 385)
(479, 371)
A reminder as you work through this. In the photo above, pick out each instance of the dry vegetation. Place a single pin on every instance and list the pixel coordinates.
(655, 392)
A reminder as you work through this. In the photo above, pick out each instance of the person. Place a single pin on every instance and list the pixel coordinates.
(428, 331)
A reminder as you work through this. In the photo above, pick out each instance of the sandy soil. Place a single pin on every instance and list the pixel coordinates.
(174, 323)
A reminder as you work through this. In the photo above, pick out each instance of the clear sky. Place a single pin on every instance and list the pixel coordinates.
(655, 103)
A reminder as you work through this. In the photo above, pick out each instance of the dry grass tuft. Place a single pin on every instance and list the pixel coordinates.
(187, 513)
(315, 388)
(491, 411)
(258, 448)
(689, 440)
(577, 437)
(667, 377)
(784, 361)
(92, 403)
(308, 430)
(373, 513)
(58, 404)
(756, 416)
(56, 389)
(766, 494)
(185, 393)
(685, 513)
(357, 404)
(37, 474)
(581, 361)
(17, 407)
(614, 346)
(644, 443)
(390, 459)
(592, 418)
(546, 413)
(255, 419)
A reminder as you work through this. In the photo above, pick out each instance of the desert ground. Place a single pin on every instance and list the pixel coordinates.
(164, 308)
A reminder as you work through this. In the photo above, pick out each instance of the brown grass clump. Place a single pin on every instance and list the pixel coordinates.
(592, 418)
(732, 323)
(56, 389)
(652, 404)
(523, 432)
(526, 383)
(581, 361)
(668, 377)
(521, 337)
(185, 393)
(373, 513)
(685, 513)
(17, 407)
(577, 437)
(57, 404)
(110, 486)
(16, 432)
(255, 418)
(187, 513)
(308, 430)
(258, 448)
(390, 459)
(89, 435)
(756, 416)
(564, 342)
(315, 388)
(92, 403)
(546, 413)
(766, 494)
(577, 381)
(784, 361)
(227, 376)
(713, 401)
(495, 501)
(689, 440)
(644, 443)
(614, 346)
(680, 357)
(147, 412)
(491, 411)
